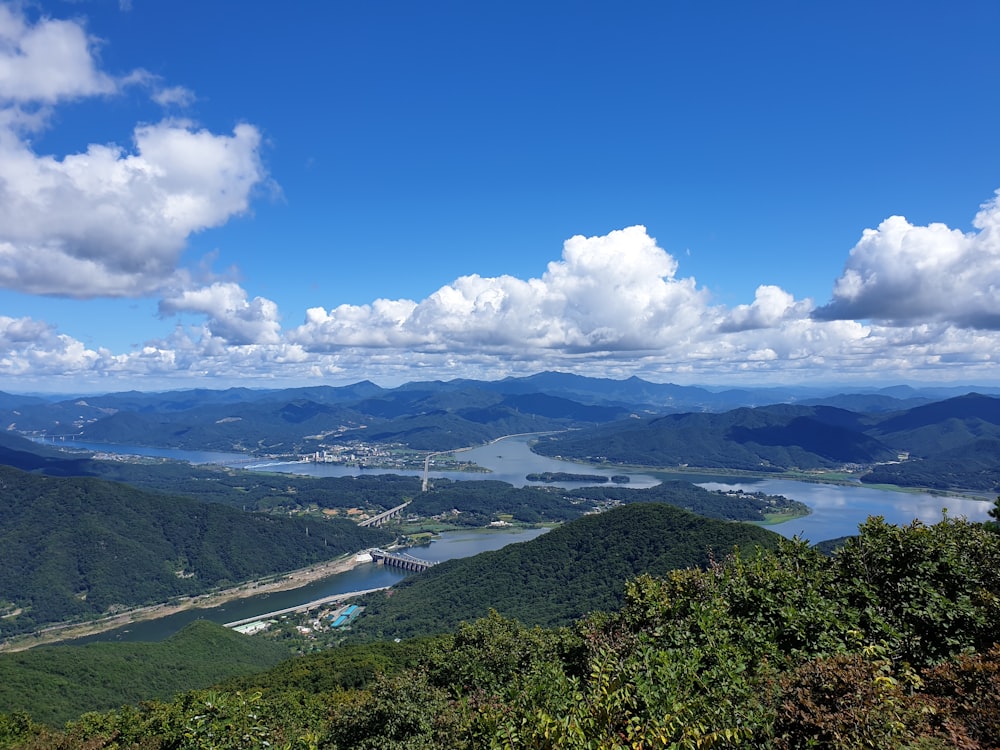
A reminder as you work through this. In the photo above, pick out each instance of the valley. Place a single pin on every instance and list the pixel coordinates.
(541, 508)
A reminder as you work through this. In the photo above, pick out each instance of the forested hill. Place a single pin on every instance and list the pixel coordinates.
(58, 683)
(890, 643)
(948, 444)
(577, 568)
(79, 547)
(424, 415)
(303, 420)
(769, 437)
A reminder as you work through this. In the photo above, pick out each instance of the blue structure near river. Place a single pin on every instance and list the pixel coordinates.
(346, 616)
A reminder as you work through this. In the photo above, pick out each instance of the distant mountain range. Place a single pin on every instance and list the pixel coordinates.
(617, 421)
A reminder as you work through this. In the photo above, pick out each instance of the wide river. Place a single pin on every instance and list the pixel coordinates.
(446, 546)
(837, 510)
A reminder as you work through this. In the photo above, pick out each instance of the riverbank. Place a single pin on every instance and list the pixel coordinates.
(267, 584)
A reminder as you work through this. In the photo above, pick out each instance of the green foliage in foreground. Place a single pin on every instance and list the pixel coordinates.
(889, 643)
(58, 683)
(352, 665)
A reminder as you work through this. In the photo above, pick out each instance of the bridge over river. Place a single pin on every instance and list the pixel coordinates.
(394, 559)
(400, 560)
(381, 518)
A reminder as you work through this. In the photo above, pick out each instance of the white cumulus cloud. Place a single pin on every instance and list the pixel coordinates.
(109, 222)
(47, 61)
(112, 220)
(230, 315)
(770, 307)
(32, 348)
(612, 293)
(901, 274)
(612, 305)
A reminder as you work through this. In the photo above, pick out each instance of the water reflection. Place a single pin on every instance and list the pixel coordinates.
(838, 510)
(507, 460)
(511, 460)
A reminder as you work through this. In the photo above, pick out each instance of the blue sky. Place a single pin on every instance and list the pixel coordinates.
(206, 194)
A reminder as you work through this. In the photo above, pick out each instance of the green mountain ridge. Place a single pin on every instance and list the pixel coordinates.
(554, 579)
(79, 547)
(767, 438)
(558, 577)
(433, 415)
(948, 443)
(891, 642)
(58, 683)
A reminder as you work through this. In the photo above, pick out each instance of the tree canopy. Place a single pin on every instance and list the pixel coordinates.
(888, 643)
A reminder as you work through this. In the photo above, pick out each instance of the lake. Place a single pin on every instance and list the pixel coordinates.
(508, 460)
(837, 510)
(192, 457)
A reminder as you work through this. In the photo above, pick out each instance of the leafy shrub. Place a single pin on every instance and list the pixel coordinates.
(848, 701)
(926, 591)
(965, 695)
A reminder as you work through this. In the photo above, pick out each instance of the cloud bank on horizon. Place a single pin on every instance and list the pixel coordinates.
(113, 221)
